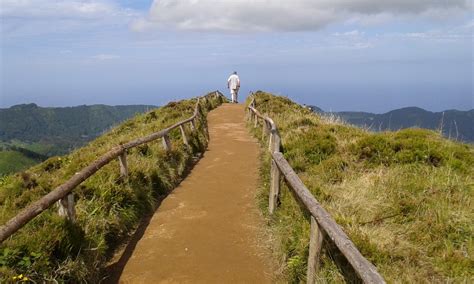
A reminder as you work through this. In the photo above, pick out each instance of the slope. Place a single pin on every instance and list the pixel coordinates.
(14, 159)
(63, 127)
(405, 198)
(454, 124)
(108, 208)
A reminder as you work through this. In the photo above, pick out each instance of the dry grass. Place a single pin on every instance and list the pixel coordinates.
(108, 208)
(404, 198)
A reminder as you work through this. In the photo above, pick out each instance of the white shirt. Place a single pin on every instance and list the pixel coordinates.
(233, 82)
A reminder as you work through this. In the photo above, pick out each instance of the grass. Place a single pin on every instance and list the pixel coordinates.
(13, 161)
(108, 209)
(405, 198)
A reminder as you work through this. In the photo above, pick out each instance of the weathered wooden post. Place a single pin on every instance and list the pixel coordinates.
(166, 142)
(276, 141)
(203, 123)
(123, 164)
(264, 129)
(274, 187)
(193, 125)
(66, 207)
(315, 245)
(270, 141)
(183, 133)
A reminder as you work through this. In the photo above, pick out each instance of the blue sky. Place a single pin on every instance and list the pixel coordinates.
(366, 55)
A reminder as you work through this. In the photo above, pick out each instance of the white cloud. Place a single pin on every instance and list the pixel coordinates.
(103, 57)
(462, 32)
(284, 15)
(35, 17)
(354, 33)
(38, 9)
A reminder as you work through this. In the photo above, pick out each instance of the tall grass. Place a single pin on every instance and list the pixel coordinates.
(108, 208)
(405, 198)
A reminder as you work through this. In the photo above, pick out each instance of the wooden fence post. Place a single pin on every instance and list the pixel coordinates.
(315, 245)
(274, 188)
(276, 143)
(264, 129)
(66, 207)
(270, 141)
(123, 164)
(166, 142)
(183, 133)
(193, 125)
(203, 123)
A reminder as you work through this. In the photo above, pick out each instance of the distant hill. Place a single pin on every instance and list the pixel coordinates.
(455, 124)
(14, 158)
(53, 131)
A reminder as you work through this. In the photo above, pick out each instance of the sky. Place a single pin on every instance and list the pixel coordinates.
(359, 55)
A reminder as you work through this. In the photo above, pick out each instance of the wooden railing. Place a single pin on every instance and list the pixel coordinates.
(322, 223)
(63, 193)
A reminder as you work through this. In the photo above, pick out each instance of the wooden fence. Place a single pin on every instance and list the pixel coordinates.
(63, 193)
(322, 223)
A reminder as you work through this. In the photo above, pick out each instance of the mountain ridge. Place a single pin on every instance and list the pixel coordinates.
(64, 127)
(454, 124)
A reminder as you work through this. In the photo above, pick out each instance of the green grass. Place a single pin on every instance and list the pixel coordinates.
(40, 148)
(405, 198)
(13, 161)
(108, 208)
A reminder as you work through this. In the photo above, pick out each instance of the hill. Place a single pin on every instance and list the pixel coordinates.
(404, 198)
(108, 208)
(56, 131)
(455, 124)
(14, 158)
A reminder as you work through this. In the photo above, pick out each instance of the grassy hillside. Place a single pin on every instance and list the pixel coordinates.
(108, 208)
(405, 198)
(61, 128)
(454, 124)
(13, 161)
(14, 158)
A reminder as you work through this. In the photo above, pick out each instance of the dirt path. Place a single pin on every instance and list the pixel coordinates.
(207, 230)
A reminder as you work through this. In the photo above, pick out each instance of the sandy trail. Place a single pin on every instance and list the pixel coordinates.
(207, 229)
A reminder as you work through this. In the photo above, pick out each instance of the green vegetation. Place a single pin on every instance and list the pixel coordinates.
(14, 159)
(56, 131)
(405, 198)
(108, 207)
(454, 124)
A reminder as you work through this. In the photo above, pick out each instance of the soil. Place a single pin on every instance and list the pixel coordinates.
(208, 230)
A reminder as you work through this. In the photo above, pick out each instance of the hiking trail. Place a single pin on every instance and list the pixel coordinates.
(208, 229)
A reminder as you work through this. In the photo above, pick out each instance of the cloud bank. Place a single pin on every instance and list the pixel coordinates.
(53, 9)
(284, 15)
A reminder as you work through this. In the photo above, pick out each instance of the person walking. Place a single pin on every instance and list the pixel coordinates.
(233, 83)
